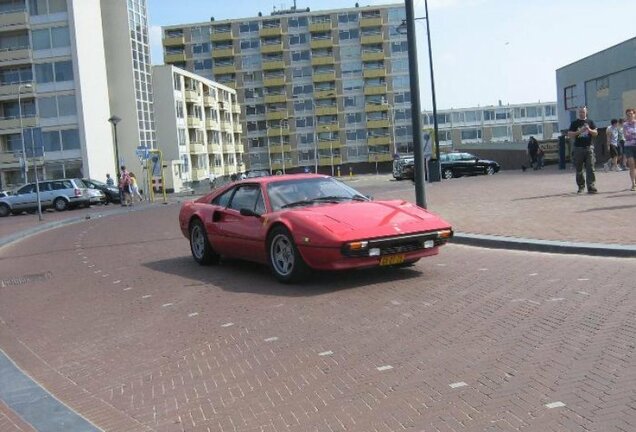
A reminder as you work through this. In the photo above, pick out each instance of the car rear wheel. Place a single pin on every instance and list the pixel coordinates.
(448, 173)
(4, 210)
(285, 261)
(200, 247)
(60, 204)
(490, 170)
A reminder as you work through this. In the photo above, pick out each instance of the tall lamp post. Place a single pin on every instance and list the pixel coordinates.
(284, 122)
(114, 120)
(416, 110)
(25, 168)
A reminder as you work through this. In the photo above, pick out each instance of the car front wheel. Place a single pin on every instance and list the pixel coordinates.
(490, 170)
(200, 247)
(4, 210)
(285, 261)
(60, 204)
(448, 173)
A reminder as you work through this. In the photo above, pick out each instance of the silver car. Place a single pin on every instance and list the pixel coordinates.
(59, 194)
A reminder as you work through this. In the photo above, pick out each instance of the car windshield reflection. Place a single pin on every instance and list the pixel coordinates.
(296, 193)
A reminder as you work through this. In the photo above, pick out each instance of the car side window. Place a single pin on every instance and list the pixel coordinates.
(223, 199)
(245, 197)
(30, 188)
(260, 204)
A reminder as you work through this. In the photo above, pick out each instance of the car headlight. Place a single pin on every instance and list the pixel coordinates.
(357, 246)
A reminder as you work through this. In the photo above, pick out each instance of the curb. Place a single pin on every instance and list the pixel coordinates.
(545, 246)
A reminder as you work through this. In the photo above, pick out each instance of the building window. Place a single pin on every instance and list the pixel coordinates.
(531, 129)
(471, 134)
(297, 22)
(46, 7)
(569, 97)
(54, 72)
(349, 34)
(550, 110)
(500, 133)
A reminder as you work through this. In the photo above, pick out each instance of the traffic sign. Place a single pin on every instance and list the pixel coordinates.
(142, 152)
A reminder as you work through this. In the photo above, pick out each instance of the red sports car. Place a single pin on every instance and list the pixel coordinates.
(302, 222)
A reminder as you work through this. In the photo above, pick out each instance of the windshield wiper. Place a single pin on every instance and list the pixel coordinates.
(297, 203)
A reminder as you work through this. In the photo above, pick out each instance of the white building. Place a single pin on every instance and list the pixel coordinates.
(198, 127)
(67, 66)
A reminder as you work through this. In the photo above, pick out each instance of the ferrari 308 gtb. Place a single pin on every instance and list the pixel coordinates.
(302, 222)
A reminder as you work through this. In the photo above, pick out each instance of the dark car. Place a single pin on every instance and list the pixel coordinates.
(111, 192)
(457, 164)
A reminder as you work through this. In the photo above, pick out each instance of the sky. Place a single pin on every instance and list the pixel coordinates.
(484, 51)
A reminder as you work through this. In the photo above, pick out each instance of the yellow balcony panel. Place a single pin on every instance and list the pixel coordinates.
(273, 132)
(320, 27)
(27, 122)
(375, 107)
(326, 145)
(375, 90)
(222, 36)
(328, 128)
(236, 108)
(229, 148)
(374, 73)
(226, 126)
(276, 98)
(10, 157)
(199, 174)
(371, 39)
(175, 58)
(371, 22)
(12, 90)
(273, 48)
(217, 171)
(14, 55)
(278, 166)
(325, 94)
(212, 124)
(191, 96)
(197, 148)
(321, 43)
(381, 140)
(194, 122)
(324, 77)
(220, 70)
(238, 128)
(223, 52)
(325, 60)
(174, 41)
(214, 148)
(274, 82)
(228, 169)
(273, 65)
(328, 110)
(380, 157)
(278, 148)
(13, 20)
(240, 148)
(271, 31)
(373, 56)
(209, 101)
(328, 161)
(276, 115)
(373, 124)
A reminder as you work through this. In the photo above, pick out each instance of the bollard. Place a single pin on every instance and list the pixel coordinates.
(350, 171)
(338, 171)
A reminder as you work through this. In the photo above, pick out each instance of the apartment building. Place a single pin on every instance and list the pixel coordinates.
(66, 67)
(198, 127)
(495, 126)
(319, 88)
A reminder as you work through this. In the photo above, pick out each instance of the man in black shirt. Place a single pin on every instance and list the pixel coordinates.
(582, 130)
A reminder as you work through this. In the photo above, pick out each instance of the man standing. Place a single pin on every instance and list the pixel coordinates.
(582, 130)
(109, 180)
(533, 151)
(612, 146)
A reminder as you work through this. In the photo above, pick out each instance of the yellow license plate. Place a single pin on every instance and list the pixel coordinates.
(391, 260)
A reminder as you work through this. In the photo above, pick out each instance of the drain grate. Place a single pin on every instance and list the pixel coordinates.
(25, 279)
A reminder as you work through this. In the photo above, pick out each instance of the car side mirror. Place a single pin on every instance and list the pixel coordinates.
(248, 212)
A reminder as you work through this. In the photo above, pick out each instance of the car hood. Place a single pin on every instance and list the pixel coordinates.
(359, 220)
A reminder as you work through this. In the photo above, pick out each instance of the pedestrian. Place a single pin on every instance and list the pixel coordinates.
(612, 146)
(134, 188)
(629, 151)
(540, 156)
(124, 186)
(621, 146)
(109, 180)
(533, 150)
(582, 130)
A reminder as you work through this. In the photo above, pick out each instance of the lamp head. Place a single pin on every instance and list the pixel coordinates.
(114, 120)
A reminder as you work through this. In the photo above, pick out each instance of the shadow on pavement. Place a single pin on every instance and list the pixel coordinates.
(245, 277)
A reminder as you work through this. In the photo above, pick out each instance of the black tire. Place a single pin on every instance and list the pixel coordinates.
(60, 204)
(490, 170)
(4, 210)
(448, 174)
(200, 247)
(283, 257)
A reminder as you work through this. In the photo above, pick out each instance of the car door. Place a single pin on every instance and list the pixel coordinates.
(467, 163)
(242, 236)
(25, 198)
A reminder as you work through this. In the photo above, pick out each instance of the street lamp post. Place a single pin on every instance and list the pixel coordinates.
(114, 120)
(435, 174)
(25, 168)
(282, 145)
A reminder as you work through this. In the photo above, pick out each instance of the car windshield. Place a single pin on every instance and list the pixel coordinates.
(96, 183)
(310, 191)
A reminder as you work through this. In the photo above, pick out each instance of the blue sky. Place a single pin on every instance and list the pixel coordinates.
(484, 51)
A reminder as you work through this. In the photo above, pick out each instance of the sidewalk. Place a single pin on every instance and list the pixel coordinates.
(532, 210)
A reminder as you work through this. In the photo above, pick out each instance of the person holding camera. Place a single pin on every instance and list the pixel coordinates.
(582, 130)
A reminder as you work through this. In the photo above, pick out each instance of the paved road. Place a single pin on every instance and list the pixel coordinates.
(133, 335)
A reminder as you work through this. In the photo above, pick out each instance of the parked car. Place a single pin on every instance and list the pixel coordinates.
(219, 181)
(457, 164)
(257, 173)
(59, 194)
(111, 193)
(403, 168)
(4, 194)
(302, 222)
